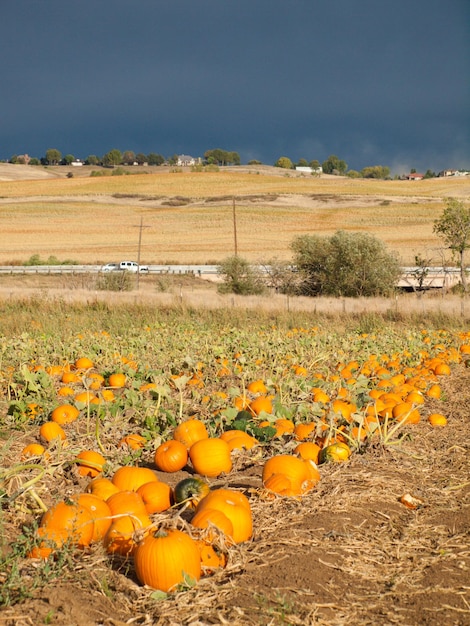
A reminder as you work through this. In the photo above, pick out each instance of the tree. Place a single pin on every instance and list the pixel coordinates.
(68, 158)
(334, 165)
(128, 157)
(141, 158)
(284, 162)
(221, 157)
(239, 277)
(53, 156)
(112, 158)
(346, 264)
(92, 159)
(376, 171)
(155, 159)
(454, 228)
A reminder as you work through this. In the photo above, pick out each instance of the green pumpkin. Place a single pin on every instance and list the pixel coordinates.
(190, 490)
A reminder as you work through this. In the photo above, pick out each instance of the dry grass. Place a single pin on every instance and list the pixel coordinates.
(188, 217)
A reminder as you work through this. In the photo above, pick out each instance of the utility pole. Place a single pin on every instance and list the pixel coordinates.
(139, 247)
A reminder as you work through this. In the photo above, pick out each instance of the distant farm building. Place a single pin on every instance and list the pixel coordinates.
(184, 160)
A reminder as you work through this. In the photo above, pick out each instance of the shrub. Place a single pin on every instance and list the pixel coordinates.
(346, 264)
(115, 281)
(240, 277)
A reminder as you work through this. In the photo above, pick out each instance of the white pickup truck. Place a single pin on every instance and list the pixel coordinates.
(125, 266)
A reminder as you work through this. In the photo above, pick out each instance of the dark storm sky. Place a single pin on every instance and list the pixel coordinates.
(372, 81)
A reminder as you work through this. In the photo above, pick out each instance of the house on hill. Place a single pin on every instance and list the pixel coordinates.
(184, 160)
(414, 176)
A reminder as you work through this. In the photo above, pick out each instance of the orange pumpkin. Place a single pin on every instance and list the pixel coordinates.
(204, 518)
(130, 515)
(117, 380)
(130, 478)
(32, 449)
(100, 514)
(71, 518)
(261, 404)
(164, 559)
(211, 457)
(157, 496)
(49, 540)
(190, 431)
(235, 506)
(84, 363)
(308, 451)
(102, 487)
(288, 465)
(171, 456)
(437, 419)
(51, 430)
(90, 463)
(133, 441)
(257, 386)
(238, 439)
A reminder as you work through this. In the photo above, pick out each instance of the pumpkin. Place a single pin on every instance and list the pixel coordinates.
(102, 487)
(70, 377)
(84, 363)
(261, 404)
(94, 380)
(288, 465)
(190, 431)
(48, 541)
(190, 490)
(51, 430)
(90, 463)
(283, 426)
(71, 518)
(165, 559)
(129, 515)
(319, 395)
(235, 506)
(205, 518)
(156, 495)
(304, 430)
(100, 514)
(211, 559)
(335, 452)
(437, 419)
(171, 456)
(282, 485)
(308, 451)
(257, 386)
(404, 411)
(238, 439)
(117, 380)
(434, 391)
(85, 397)
(33, 449)
(133, 441)
(130, 478)
(211, 457)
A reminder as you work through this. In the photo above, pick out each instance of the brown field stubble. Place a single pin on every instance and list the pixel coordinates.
(188, 217)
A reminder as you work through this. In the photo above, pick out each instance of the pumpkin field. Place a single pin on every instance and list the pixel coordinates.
(168, 460)
(181, 466)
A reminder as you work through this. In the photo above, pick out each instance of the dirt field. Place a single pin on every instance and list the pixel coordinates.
(190, 217)
(348, 553)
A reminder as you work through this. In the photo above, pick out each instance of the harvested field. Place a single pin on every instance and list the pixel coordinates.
(188, 217)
